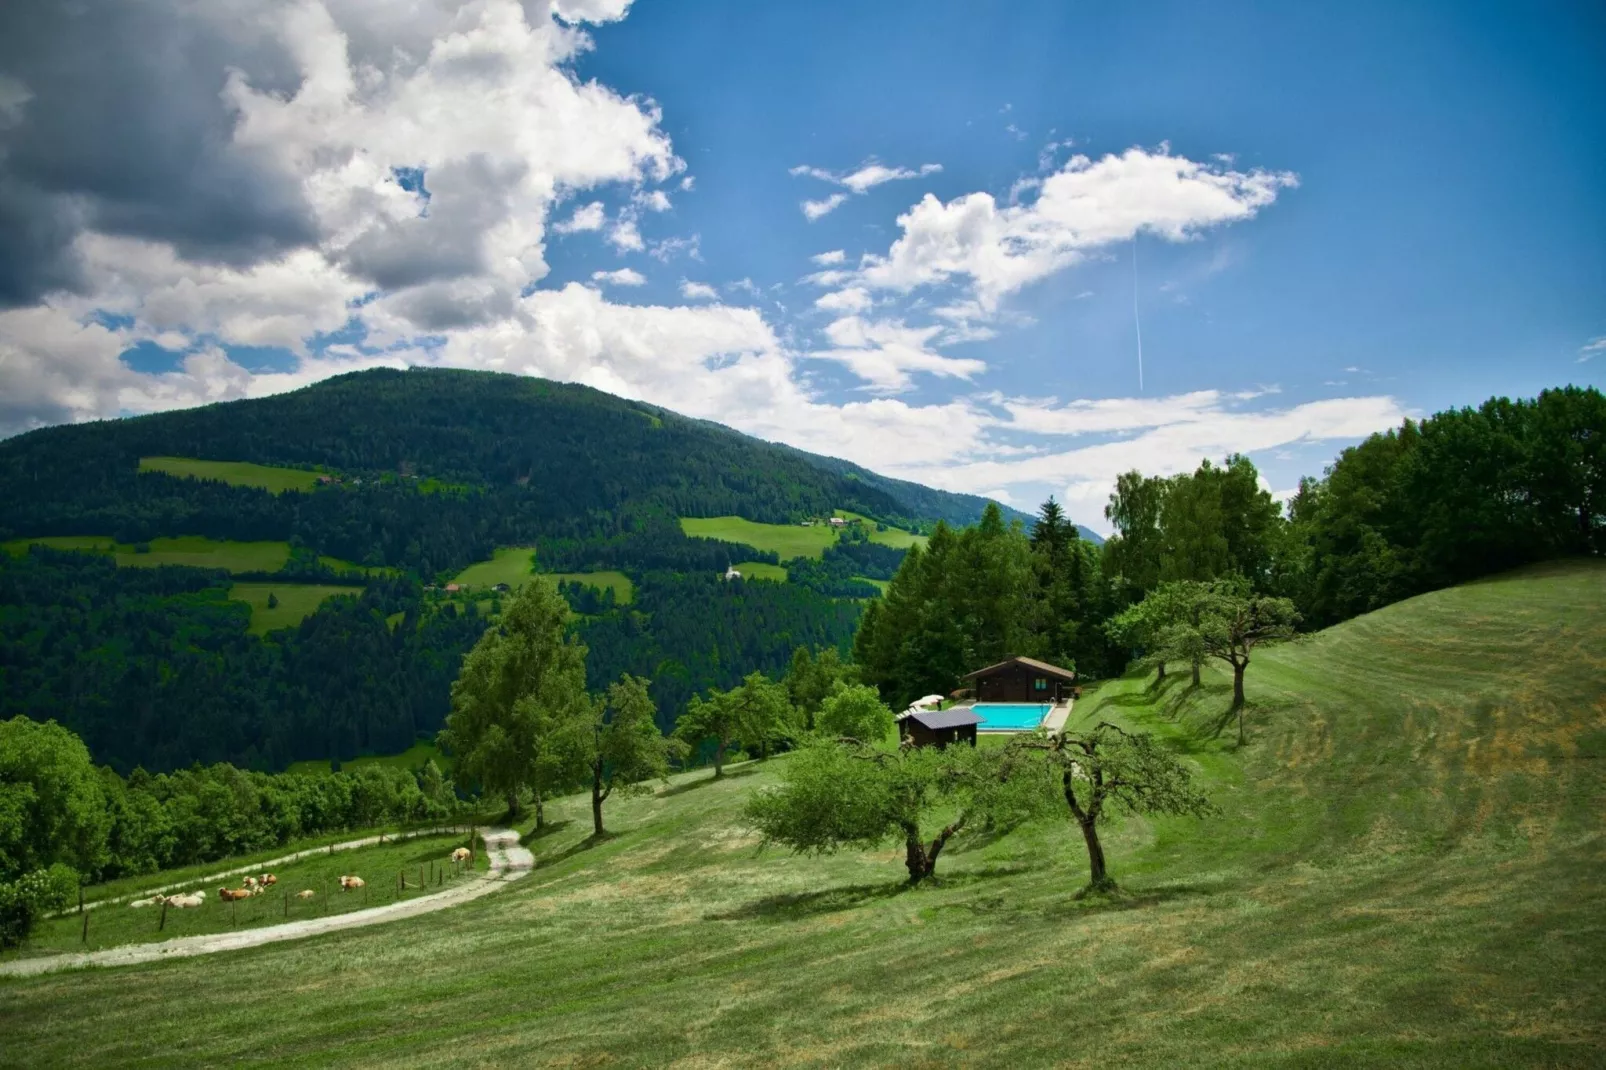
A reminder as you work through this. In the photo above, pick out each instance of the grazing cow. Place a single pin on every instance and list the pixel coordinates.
(307, 893)
(349, 884)
(155, 900)
(229, 895)
(250, 882)
(268, 878)
(183, 901)
(461, 854)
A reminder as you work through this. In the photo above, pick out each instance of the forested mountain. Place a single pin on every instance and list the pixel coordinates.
(430, 471)
(504, 460)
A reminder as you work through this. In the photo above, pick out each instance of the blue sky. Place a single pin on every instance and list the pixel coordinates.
(1343, 216)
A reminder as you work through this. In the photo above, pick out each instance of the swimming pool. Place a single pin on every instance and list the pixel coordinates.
(1010, 716)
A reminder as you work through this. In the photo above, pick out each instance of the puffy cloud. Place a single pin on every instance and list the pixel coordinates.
(853, 299)
(883, 353)
(587, 217)
(1591, 349)
(622, 277)
(697, 291)
(1085, 205)
(626, 236)
(652, 200)
(834, 256)
(813, 210)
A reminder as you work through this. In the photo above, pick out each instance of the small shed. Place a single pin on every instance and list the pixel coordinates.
(1022, 680)
(938, 728)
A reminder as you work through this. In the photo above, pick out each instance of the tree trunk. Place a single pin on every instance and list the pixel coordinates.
(914, 856)
(1195, 672)
(512, 805)
(1238, 687)
(1099, 879)
(1159, 673)
(596, 801)
(719, 760)
(540, 810)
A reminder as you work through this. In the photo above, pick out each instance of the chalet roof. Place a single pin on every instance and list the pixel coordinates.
(954, 718)
(1031, 663)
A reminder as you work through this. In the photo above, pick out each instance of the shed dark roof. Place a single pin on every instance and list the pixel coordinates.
(1031, 663)
(954, 718)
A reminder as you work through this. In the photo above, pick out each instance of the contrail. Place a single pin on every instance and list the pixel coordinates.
(1135, 320)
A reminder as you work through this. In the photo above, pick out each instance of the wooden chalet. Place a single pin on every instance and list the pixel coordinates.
(938, 728)
(1022, 680)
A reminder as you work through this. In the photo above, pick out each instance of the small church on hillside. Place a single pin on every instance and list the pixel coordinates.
(1022, 680)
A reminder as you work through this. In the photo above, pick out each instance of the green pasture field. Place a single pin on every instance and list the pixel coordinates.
(760, 570)
(297, 602)
(786, 540)
(192, 550)
(897, 538)
(1408, 869)
(239, 473)
(618, 582)
(118, 923)
(512, 565)
(413, 757)
(880, 585)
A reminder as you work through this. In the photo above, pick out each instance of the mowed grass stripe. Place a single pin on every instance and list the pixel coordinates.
(1408, 869)
(238, 473)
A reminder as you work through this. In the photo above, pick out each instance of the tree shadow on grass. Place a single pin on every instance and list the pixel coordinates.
(703, 782)
(545, 861)
(1075, 904)
(551, 828)
(808, 904)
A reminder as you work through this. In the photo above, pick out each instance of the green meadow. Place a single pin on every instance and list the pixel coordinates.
(194, 550)
(514, 566)
(1408, 869)
(239, 473)
(760, 570)
(296, 602)
(789, 540)
(897, 538)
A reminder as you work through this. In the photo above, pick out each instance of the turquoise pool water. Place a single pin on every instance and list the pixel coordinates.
(1010, 716)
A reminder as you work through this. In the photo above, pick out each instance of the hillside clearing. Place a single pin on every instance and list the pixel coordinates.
(785, 540)
(193, 550)
(1409, 869)
(239, 473)
(760, 570)
(413, 757)
(296, 602)
(515, 566)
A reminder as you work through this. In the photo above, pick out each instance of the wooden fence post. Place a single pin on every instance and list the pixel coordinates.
(286, 898)
(85, 938)
(163, 923)
(80, 896)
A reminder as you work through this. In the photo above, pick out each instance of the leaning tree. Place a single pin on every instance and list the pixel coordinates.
(1109, 767)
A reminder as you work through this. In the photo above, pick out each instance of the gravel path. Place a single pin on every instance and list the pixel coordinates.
(508, 861)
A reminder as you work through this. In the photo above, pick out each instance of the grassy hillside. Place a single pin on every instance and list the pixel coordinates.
(514, 566)
(1408, 869)
(192, 550)
(296, 602)
(237, 473)
(790, 540)
(413, 757)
